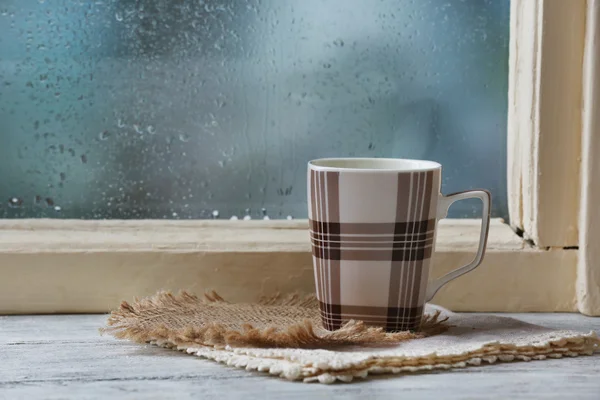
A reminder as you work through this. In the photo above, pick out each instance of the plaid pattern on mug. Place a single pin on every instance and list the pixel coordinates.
(371, 253)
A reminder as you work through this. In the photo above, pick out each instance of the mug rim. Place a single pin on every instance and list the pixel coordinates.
(379, 165)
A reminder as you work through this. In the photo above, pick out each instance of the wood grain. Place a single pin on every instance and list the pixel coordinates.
(588, 272)
(63, 356)
(91, 266)
(544, 119)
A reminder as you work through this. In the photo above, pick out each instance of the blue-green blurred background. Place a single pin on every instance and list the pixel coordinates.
(180, 108)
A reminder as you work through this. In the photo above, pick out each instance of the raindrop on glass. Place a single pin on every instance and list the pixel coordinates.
(184, 137)
(151, 130)
(120, 123)
(234, 218)
(119, 17)
(15, 202)
(137, 129)
(49, 201)
(104, 135)
(57, 208)
(247, 218)
(84, 158)
(215, 214)
(289, 218)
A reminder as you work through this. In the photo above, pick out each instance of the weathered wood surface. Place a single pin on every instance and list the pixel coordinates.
(63, 356)
(544, 118)
(69, 266)
(588, 271)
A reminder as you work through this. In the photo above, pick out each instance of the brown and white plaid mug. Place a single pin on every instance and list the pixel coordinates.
(373, 229)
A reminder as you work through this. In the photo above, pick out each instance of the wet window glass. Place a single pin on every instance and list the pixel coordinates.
(202, 109)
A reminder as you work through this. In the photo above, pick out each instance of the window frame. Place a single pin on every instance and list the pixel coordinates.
(544, 119)
(90, 266)
(550, 264)
(553, 134)
(588, 268)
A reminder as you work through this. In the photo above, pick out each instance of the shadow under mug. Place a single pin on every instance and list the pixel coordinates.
(373, 227)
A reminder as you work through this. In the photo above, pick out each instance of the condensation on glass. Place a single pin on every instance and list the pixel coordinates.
(211, 109)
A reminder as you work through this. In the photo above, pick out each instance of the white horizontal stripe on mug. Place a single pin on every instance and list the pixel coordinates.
(371, 241)
(384, 235)
(381, 317)
(377, 320)
(407, 248)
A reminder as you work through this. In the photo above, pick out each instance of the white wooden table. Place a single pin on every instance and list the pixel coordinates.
(63, 356)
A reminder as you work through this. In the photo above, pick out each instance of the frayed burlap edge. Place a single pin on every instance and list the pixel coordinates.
(129, 322)
(277, 365)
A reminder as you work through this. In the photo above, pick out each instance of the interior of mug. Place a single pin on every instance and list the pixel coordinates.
(369, 164)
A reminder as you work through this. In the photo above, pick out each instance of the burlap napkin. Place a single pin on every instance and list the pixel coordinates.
(284, 336)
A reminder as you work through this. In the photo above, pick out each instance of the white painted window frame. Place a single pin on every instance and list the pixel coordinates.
(550, 264)
(553, 134)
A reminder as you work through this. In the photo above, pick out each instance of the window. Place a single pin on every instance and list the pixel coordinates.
(125, 110)
(193, 109)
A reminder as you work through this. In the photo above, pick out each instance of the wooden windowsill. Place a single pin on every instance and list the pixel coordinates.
(90, 266)
(70, 236)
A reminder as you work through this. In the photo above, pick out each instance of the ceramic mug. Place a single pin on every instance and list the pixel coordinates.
(373, 228)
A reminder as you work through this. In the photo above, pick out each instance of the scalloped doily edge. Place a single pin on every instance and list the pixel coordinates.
(291, 370)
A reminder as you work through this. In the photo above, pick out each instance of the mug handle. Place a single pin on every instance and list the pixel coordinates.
(442, 211)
